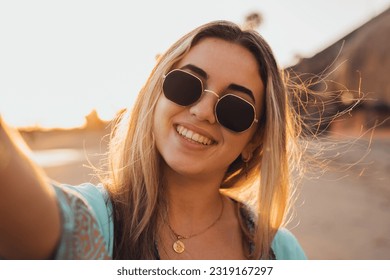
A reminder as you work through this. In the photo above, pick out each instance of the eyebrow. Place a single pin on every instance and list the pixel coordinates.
(242, 89)
(196, 69)
(204, 75)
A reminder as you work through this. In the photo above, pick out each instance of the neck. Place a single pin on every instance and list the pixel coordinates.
(192, 201)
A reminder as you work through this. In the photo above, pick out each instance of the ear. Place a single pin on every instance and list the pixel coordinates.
(247, 152)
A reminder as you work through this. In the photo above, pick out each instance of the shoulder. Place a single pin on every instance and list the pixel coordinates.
(86, 212)
(94, 198)
(286, 246)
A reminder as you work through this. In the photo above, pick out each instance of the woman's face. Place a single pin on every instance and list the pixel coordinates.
(220, 64)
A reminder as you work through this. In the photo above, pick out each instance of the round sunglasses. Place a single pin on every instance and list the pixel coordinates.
(231, 111)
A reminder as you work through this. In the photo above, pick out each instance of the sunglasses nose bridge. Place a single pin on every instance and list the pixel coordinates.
(204, 108)
(212, 92)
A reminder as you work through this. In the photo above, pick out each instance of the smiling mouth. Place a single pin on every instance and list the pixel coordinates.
(193, 136)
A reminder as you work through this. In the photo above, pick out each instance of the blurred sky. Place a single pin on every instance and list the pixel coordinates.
(61, 59)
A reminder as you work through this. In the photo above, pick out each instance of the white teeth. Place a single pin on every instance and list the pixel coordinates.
(196, 137)
(189, 134)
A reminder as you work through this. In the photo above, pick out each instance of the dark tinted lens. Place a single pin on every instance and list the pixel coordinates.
(234, 113)
(182, 88)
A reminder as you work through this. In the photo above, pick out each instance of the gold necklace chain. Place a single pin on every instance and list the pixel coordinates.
(178, 245)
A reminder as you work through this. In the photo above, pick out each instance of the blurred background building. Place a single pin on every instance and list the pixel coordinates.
(356, 68)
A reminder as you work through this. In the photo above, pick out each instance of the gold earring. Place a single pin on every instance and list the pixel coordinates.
(246, 160)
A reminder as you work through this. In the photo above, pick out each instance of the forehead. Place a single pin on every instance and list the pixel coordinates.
(226, 63)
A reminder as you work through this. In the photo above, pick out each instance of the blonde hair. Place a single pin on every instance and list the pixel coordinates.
(134, 177)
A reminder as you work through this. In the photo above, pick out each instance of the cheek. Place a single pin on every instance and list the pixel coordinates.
(162, 120)
(162, 110)
(238, 144)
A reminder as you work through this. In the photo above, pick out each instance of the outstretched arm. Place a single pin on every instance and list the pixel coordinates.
(29, 214)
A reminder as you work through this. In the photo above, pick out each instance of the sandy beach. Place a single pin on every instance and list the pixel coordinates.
(346, 214)
(343, 214)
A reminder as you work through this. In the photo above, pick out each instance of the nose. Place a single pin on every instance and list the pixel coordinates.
(203, 110)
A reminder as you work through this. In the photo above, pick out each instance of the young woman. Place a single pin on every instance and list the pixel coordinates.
(200, 168)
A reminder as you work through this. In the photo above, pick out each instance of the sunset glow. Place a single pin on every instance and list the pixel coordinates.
(61, 60)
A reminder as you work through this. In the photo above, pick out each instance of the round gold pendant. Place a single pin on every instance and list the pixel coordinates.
(178, 247)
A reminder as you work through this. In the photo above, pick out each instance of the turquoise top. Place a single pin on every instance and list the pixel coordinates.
(88, 228)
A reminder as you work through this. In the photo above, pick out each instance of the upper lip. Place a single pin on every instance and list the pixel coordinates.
(197, 130)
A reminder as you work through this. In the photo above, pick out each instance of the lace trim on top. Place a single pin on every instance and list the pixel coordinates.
(81, 235)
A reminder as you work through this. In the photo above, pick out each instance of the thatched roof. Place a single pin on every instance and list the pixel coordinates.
(362, 58)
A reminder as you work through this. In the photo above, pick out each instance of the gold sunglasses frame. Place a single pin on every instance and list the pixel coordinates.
(255, 120)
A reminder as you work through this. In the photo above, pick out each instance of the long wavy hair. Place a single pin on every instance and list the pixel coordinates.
(134, 179)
